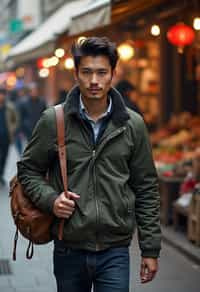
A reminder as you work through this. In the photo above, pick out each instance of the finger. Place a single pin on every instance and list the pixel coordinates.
(67, 202)
(65, 214)
(147, 279)
(142, 272)
(66, 207)
(73, 196)
(148, 276)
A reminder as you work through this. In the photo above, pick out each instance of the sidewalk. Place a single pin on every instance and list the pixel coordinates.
(22, 275)
(179, 241)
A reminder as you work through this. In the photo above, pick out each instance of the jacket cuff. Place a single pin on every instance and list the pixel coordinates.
(50, 202)
(150, 253)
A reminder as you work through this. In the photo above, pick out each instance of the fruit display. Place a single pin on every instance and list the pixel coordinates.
(176, 143)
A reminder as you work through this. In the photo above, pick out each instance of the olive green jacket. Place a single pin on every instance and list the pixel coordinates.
(116, 179)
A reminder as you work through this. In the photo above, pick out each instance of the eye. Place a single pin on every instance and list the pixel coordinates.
(86, 72)
(102, 73)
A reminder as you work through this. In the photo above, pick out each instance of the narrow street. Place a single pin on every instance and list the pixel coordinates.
(176, 274)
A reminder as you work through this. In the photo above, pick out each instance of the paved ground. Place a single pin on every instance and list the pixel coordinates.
(177, 273)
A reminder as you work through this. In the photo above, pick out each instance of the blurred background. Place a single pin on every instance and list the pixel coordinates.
(158, 75)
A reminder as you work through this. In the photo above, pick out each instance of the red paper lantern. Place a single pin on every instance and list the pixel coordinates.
(41, 63)
(180, 35)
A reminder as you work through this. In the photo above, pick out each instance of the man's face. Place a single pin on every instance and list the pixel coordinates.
(94, 76)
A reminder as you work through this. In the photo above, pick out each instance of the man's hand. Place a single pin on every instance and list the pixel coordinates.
(149, 267)
(64, 207)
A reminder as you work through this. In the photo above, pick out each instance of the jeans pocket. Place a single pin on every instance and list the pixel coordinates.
(60, 249)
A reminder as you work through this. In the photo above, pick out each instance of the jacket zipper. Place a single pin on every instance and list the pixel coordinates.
(96, 201)
(94, 157)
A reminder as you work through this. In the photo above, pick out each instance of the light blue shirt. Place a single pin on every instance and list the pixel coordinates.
(96, 125)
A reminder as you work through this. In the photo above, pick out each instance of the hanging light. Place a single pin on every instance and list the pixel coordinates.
(196, 23)
(54, 61)
(81, 39)
(69, 63)
(126, 51)
(155, 30)
(43, 73)
(59, 52)
(180, 35)
(47, 63)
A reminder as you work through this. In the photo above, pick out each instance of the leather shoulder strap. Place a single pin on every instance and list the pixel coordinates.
(61, 144)
(60, 122)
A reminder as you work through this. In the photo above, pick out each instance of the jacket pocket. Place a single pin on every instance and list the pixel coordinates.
(130, 208)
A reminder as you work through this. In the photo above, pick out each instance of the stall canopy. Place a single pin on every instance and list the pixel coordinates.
(42, 40)
(96, 14)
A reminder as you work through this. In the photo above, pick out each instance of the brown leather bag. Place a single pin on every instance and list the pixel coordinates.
(32, 223)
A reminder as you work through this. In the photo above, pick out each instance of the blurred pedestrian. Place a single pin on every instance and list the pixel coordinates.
(130, 94)
(111, 178)
(31, 110)
(62, 96)
(20, 134)
(8, 125)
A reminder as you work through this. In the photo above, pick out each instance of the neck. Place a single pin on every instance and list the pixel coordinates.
(95, 107)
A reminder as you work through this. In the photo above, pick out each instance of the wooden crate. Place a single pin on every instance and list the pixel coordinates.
(194, 219)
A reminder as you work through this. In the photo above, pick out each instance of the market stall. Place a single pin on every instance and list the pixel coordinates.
(176, 149)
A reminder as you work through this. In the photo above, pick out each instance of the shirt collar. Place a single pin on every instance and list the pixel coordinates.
(108, 110)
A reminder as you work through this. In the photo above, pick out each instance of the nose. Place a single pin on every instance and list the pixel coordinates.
(94, 79)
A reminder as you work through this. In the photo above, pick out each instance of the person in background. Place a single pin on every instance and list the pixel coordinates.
(13, 97)
(8, 126)
(23, 94)
(31, 110)
(150, 106)
(62, 96)
(129, 94)
(20, 134)
(112, 179)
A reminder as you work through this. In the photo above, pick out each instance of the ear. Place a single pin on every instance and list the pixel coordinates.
(75, 73)
(114, 72)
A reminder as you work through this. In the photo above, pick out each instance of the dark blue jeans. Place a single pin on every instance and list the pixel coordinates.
(79, 270)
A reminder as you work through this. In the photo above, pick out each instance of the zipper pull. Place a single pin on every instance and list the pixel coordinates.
(93, 153)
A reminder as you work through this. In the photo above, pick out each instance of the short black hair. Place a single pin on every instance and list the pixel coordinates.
(95, 46)
(3, 91)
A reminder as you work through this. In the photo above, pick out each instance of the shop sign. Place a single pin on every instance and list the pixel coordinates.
(16, 25)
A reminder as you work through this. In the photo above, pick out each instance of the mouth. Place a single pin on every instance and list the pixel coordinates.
(94, 90)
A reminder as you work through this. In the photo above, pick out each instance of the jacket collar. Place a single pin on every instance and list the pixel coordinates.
(119, 113)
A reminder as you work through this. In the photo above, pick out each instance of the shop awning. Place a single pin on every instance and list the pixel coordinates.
(121, 10)
(42, 40)
(94, 15)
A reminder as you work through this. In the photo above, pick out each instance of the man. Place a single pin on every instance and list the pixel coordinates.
(31, 110)
(129, 94)
(111, 178)
(8, 125)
